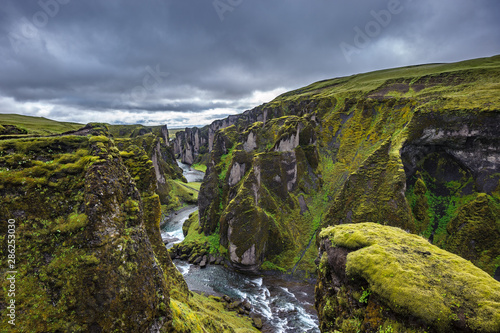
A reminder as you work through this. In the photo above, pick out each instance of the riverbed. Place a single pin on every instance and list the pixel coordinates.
(286, 306)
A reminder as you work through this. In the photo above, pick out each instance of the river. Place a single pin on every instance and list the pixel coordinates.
(285, 306)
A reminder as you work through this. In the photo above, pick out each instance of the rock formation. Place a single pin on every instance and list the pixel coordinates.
(405, 147)
(82, 249)
(89, 255)
(374, 278)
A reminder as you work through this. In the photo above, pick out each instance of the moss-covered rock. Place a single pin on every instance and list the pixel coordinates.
(372, 276)
(255, 177)
(158, 151)
(82, 249)
(89, 255)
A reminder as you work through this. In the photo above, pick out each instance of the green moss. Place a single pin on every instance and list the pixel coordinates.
(195, 236)
(474, 232)
(448, 210)
(416, 278)
(199, 167)
(202, 314)
(64, 193)
(420, 207)
(269, 266)
(225, 163)
(99, 139)
(75, 222)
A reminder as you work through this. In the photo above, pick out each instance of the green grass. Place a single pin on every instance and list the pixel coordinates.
(183, 191)
(206, 314)
(462, 84)
(367, 81)
(193, 185)
(195, 235)
(199, 167)
(38, 125)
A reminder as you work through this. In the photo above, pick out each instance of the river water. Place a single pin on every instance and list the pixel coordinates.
(285, 306)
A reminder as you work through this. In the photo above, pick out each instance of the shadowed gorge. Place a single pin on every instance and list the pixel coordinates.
(90, 257)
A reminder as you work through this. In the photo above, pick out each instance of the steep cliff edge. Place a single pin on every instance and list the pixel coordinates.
(89, 255)
(82, 249)
(413, 147)
(374, 278)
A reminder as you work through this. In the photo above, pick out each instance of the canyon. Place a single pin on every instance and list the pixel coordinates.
(382, 189)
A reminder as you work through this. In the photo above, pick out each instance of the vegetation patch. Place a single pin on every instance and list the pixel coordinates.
(205, 314)
(200, 167)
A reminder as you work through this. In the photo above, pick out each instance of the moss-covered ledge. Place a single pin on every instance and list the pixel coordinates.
(374, 276)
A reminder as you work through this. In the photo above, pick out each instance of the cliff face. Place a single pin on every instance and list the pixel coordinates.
(413, 147)
(257, 173)
(374, 278)
(89, 254)
(192, 144)
(161, 155)
(82, 246)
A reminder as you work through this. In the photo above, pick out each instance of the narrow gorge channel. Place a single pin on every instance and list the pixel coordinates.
(285, 306)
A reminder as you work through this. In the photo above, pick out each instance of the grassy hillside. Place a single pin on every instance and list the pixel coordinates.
(26, 125)
(461, 81)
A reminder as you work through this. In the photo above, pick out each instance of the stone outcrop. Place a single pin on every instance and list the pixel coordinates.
(258, 178)
(189, 143)
(154, 142)
(374, 278)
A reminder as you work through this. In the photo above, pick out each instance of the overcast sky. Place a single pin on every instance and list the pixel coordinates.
(189, 62)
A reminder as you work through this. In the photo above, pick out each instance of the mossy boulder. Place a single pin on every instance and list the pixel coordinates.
(376, 276)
